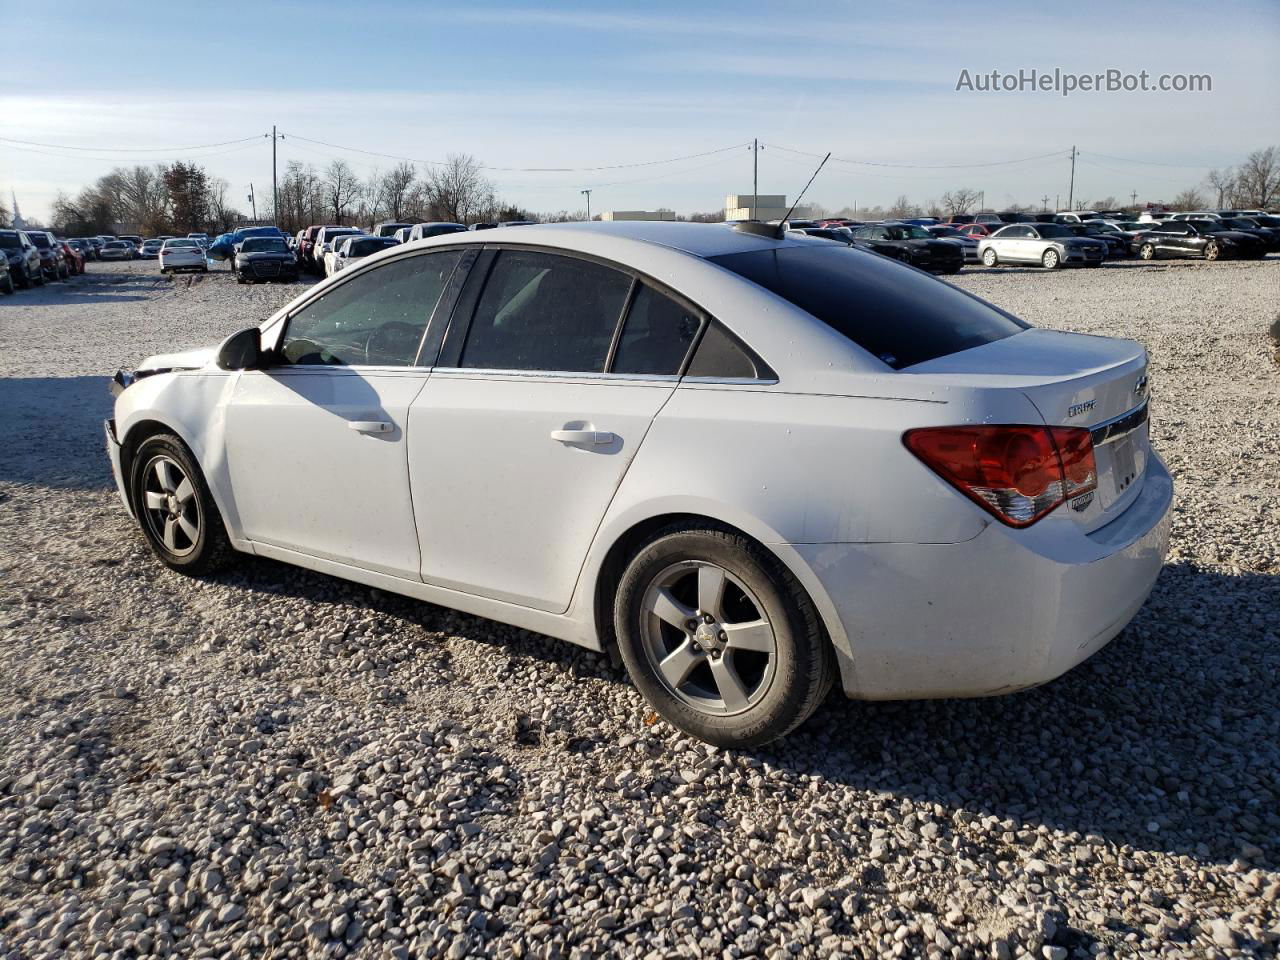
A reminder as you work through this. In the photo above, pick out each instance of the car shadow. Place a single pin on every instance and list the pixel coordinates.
(1089, 753)
(51, 431)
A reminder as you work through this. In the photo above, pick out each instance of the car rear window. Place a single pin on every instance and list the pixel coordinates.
(40, 240)
(894, 312)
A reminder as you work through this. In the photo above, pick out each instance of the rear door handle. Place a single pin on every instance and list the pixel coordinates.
(588, 437)
(370, 426)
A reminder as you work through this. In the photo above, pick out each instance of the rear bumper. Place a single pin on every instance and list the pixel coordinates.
(113, 453)
(1004, 611)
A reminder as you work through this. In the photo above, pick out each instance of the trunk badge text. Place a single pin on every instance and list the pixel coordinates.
(1078, 408)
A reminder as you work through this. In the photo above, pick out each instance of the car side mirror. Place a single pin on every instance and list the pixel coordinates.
(242, 351)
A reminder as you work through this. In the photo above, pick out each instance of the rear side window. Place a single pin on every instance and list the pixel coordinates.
(720, 355)
(542, 311)
(893, 312)
(657, 335)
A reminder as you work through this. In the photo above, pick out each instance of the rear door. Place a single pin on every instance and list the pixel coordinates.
(538, 405)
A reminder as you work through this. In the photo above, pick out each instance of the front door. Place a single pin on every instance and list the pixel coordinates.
(316, 444)
(524, 432)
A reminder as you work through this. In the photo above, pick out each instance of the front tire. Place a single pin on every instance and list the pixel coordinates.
(1050, 260)
(720, 638)
(175, 509)
(1212, 252)
(989, 257)
(1147, 251)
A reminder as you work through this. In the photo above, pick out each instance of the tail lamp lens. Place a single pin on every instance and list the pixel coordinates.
(1016, 473)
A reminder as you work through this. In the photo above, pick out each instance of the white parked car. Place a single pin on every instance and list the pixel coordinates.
(325, 242)
(758, 463)
(180, 253)
(351, 250)
(1050, 245)
(424, 231)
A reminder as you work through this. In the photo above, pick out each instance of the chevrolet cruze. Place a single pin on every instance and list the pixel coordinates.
(755, 463)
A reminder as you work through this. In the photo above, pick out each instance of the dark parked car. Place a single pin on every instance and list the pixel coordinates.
(967, 241)
(388, 228)
(911, 244)
(1270, 236)
(22, 257)
(50, 256)
(1197, 238)
(483, 226)
(264, 258)
(1117, 246)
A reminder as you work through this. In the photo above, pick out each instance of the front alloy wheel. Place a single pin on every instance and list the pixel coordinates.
(175, 508)
(1147, 251)
(720, 638)
(1212, 252)
(989, 257)
(170, 506)
(1050, 260)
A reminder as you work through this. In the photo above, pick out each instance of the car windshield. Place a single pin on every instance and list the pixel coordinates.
(115, 245)
(1207, 225)
(893, 312)
(40, 240)
(1053, 230)
(264, 245)
(170, 244)
(362, 248)
(10, 241)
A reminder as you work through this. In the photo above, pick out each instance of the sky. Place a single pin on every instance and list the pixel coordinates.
(601, 85)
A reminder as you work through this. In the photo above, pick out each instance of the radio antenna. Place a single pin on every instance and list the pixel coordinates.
(807, 185)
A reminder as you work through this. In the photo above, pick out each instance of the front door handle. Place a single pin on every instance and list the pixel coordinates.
(370, 426)
(587, 437)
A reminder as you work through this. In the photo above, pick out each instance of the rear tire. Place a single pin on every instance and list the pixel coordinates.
(720, 638)
(175, 509)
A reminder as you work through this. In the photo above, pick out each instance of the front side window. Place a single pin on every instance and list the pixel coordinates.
(656, 336)
(542, 311)
(377, 318)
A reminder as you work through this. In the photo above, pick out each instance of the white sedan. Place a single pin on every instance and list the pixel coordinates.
(349, 251)
(756, 463)
(181, 253)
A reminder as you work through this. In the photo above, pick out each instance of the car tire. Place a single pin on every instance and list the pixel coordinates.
(741, 693)
(1050, 260)
(1212, 251)
(989, 257)
(1147, 251)
(175, 509)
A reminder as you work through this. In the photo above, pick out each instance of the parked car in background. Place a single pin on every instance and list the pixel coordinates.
(911, 244)
(967, 241)
(150, 249)
(402, 235)
(351, 250)
(116, 250)
(1074, 216)
(72, 257)
(324, 244)
(88, 246)
(179, 253)
(517, 223)
(22, 259)
(264, 258)
(1051, 245)
(1270, 236)
(51, 264)
(483, 226)
(1197, 238)
(81, 246)
(975, 230)
(6, 279)
(199, 235)
(389, 228)
(837, 529)
(135, 242)
(1117, 245)
(420, 231)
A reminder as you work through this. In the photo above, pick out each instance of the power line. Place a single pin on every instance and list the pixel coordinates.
(1153, 163)
(198, 146)
(82, 156)
(926, 166)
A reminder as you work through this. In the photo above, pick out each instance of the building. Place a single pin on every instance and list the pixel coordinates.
(18, 222)
(768, 206)
(638, 215)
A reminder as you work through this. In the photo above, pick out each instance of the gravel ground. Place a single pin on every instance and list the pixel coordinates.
(279, 764)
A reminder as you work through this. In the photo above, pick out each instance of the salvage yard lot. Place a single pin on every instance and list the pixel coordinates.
(278, 763)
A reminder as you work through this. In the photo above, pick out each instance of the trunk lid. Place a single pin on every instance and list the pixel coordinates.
(1073, 380)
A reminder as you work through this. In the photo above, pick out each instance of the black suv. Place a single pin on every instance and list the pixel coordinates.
(22, 258)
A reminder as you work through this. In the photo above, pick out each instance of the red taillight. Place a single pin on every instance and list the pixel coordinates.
(1017, 473)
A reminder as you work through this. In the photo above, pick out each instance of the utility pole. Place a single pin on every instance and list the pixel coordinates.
(1071, 195)
(253, 203)
(1044, 202)
(982, 199)
(1133, 198)
(755, 175)
(587, 194)
(275, 191)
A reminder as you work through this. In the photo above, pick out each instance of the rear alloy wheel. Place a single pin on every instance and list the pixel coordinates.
(175, 509)
(1212, 252)
(989, 257)
(720, 638)
(1147, 251)
(1050, 260)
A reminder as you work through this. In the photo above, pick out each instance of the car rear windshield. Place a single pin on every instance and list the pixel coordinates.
(40, 240)
(362, 248)
(10, 241)
(892, 311)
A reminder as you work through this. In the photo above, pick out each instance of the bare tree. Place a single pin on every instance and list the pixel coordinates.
(458, 191)
(1110, 203)
(1223, 183)
(396, 190)
(4, 215)
(1191, 199)
(222, 215)
(340, 188)
(959, 201)
(1258, 180)
(902, 207)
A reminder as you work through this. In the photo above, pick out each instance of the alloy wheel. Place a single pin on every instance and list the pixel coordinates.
(1211, 252)
(170, 505)
(707, 637)
(1147, 252)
